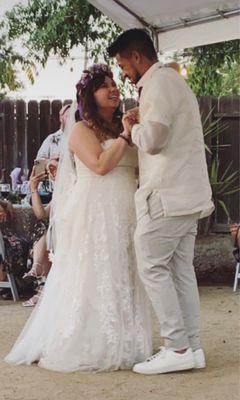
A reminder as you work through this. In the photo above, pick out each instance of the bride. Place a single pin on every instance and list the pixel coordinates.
(94, 314)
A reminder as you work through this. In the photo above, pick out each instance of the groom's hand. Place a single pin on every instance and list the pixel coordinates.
(129, 119)
(133, 113)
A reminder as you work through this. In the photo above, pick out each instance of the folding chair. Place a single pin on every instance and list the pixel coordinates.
(10, 283)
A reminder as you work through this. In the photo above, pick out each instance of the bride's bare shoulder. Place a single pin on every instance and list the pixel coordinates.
(82, 135)
(80, 129)
(81, 126)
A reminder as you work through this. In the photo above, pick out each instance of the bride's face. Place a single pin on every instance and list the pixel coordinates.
(107, 95)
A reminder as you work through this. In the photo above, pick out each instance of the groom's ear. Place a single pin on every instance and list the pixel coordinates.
(136, 57)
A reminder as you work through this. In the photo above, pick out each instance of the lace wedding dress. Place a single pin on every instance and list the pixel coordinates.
(94, 314)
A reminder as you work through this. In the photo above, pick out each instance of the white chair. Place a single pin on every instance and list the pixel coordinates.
(237, 272)
(236, 253)
(10, 283)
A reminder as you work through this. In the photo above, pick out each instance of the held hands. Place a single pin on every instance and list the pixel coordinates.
(129, 119)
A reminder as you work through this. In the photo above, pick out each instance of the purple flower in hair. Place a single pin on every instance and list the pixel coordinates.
(88, 75)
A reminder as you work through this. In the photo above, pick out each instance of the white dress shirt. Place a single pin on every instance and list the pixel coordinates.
(172, 161)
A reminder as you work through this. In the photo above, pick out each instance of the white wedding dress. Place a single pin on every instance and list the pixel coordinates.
(94, 314)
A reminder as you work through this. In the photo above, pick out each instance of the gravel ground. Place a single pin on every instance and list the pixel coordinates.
(219, 381)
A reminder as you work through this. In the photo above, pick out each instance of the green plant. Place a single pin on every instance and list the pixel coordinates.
(211, 130)
(48, 28)
(212, 69)
(225, 183)
(10, 63)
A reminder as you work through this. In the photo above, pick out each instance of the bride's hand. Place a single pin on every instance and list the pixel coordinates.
(128, 120)
(133, 113)
(127, 125)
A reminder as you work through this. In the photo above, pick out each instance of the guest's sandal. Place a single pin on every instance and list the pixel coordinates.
(34, 299)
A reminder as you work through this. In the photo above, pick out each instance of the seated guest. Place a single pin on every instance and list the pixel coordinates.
(13, 251)
(16, 177)
(51, 148)
(41, 263)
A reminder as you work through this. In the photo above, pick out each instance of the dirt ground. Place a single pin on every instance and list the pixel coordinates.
(219, 381)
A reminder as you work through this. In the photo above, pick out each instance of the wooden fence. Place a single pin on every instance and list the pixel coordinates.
(23, 127)
(227, 111)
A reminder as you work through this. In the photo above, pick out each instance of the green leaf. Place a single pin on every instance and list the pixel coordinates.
(224, 207)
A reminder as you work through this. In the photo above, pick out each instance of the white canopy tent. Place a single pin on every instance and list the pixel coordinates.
(177, 24)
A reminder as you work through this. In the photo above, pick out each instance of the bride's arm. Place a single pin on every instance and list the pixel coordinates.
(84, 144)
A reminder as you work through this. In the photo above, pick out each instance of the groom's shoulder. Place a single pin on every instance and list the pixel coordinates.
(166, 78)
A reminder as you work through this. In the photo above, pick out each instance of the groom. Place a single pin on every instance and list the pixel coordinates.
(174, 193)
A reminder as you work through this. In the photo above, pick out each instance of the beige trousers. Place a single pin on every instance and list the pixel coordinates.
(165, 250)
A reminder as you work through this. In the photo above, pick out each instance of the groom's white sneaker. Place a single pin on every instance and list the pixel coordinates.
(166, 361)
(199, 359)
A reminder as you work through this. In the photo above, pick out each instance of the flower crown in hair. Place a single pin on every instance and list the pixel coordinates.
(88, 74)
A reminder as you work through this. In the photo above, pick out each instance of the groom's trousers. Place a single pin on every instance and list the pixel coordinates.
(165, 250)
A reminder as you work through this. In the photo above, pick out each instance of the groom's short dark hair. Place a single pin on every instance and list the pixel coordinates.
(130, 40)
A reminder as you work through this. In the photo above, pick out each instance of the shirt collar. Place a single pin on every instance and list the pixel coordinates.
(148, 74)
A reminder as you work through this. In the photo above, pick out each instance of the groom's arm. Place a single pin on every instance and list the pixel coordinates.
(160, 102)
(150, 137)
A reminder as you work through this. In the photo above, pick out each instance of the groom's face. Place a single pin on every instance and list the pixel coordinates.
(129, 66)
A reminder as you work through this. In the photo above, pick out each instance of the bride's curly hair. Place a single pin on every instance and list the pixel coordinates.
(90, 82)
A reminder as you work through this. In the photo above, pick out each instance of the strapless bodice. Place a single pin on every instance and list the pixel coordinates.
(129, 160)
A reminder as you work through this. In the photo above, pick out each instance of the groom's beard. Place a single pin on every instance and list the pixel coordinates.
(134, 80)
(138, 77)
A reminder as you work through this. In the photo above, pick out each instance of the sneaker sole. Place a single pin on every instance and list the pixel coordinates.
(200, 366)
(183, 367)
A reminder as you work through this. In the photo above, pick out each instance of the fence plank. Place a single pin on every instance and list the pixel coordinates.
(9, 137)
(45, 127)
(206, 106)
(33, 133)
(21, 145)
(55, 123)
